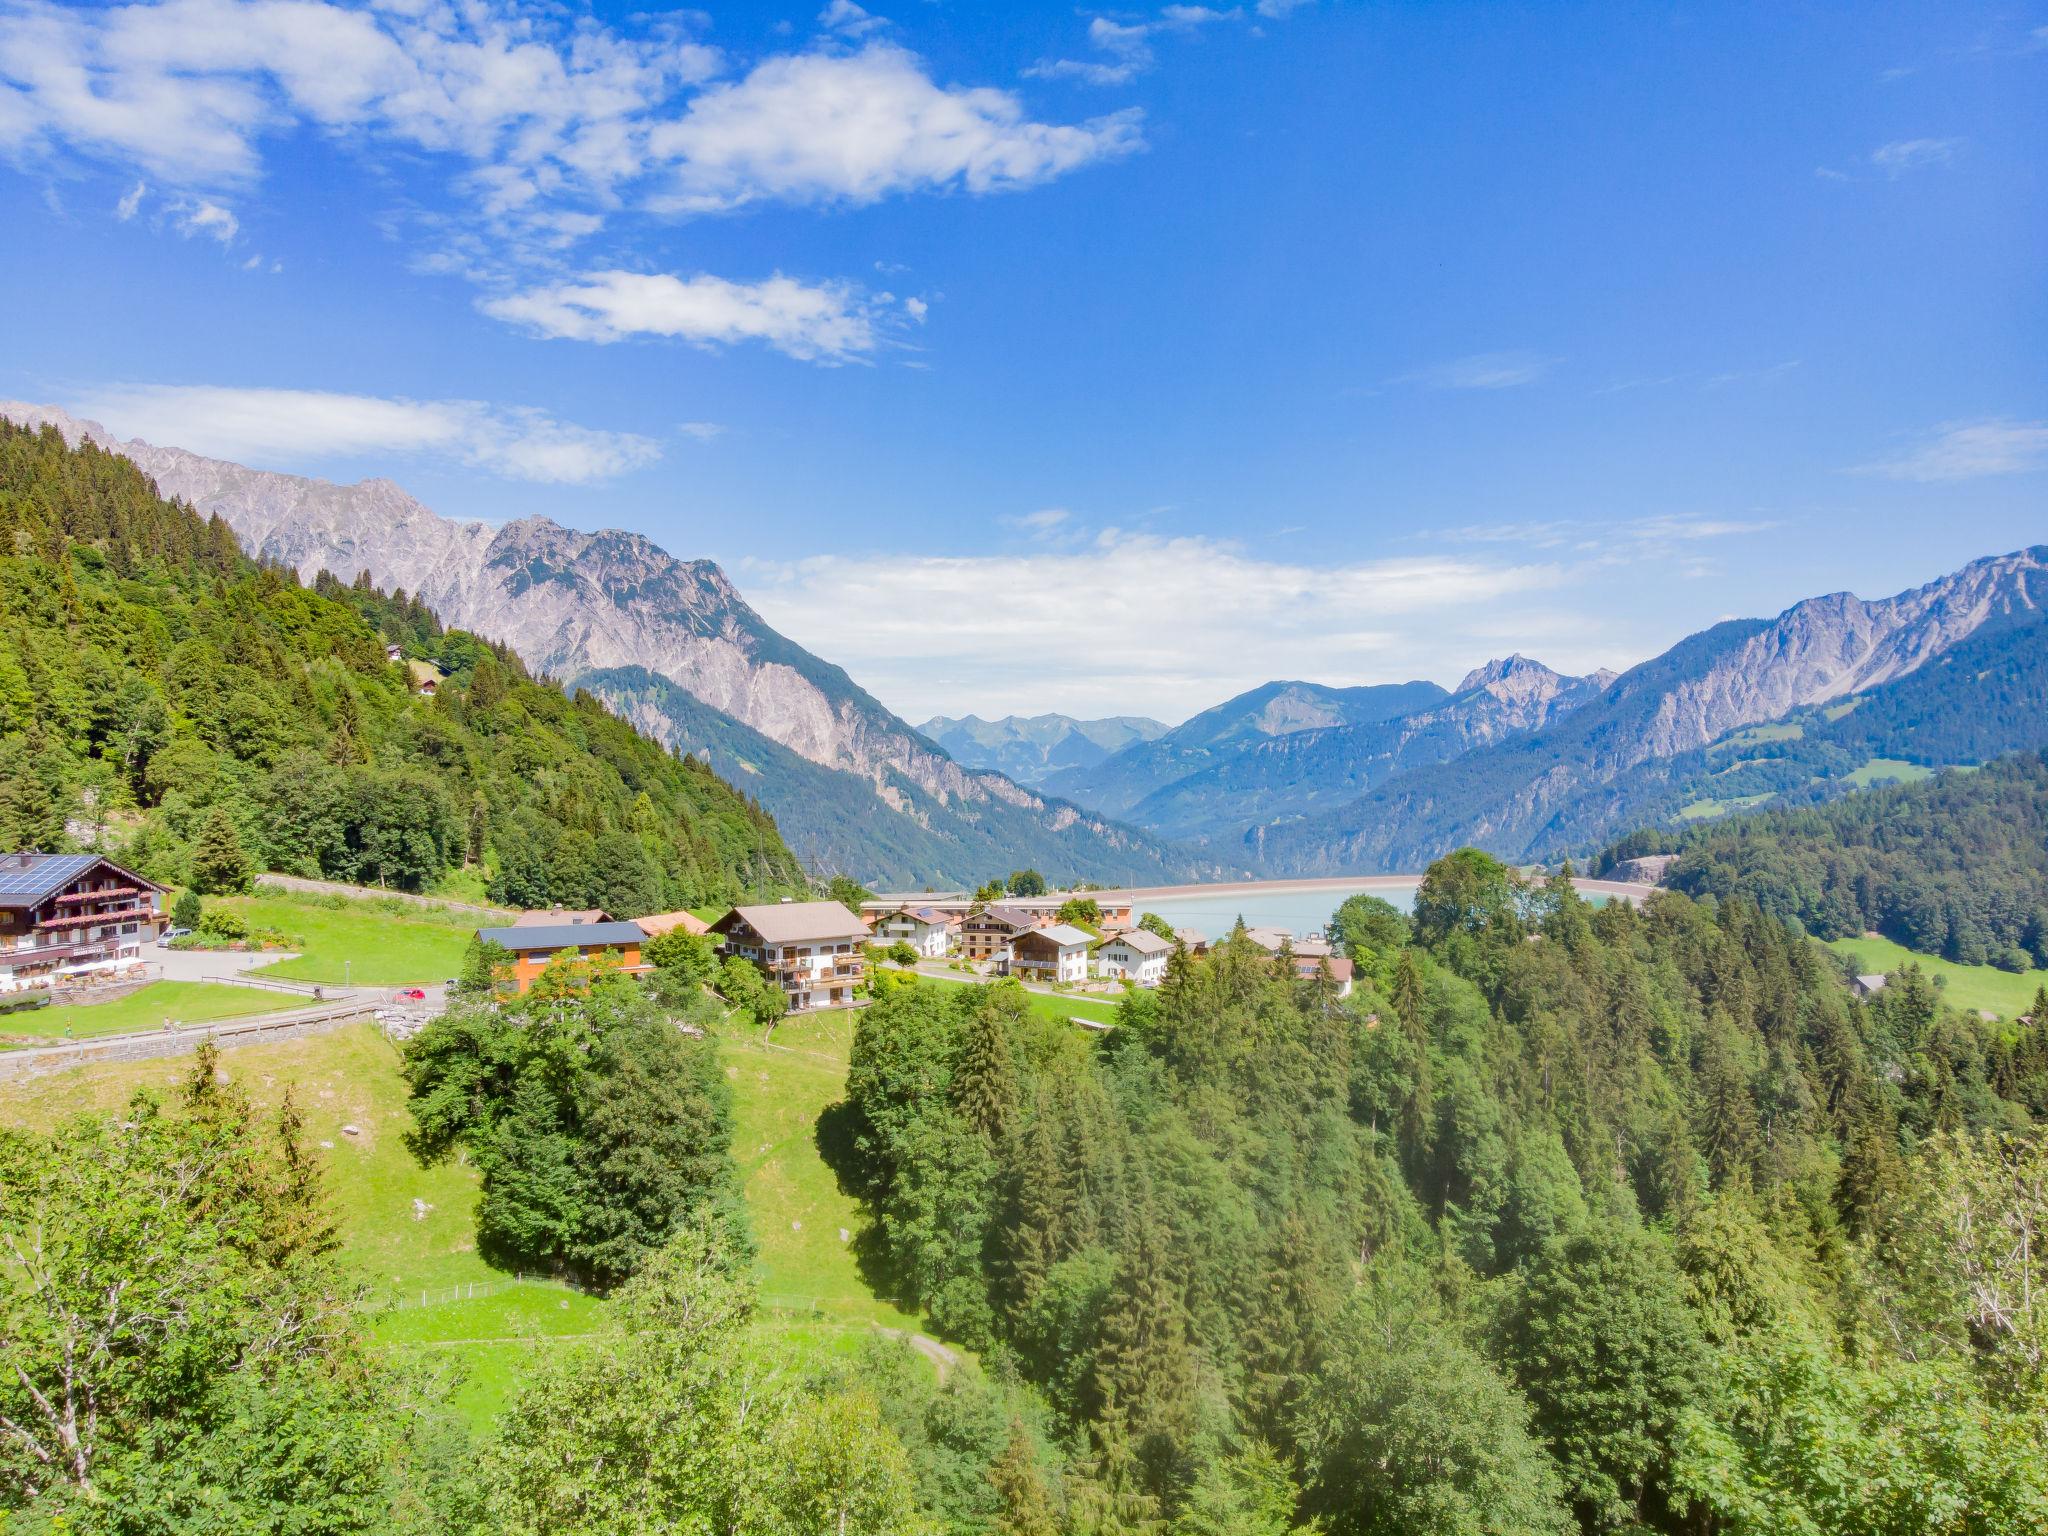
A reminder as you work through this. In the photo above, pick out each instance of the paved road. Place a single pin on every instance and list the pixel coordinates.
(200, 964)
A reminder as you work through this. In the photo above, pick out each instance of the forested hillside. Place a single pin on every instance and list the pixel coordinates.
(1566, 1219)
(1956, 867)
(208, 715)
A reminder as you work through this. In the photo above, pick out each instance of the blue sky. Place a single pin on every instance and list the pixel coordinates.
(1035, 357)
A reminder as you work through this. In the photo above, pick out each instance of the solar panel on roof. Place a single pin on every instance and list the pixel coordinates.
(44, 873)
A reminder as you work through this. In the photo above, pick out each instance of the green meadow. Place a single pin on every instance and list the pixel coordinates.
(1985, 987)
(183, 1002)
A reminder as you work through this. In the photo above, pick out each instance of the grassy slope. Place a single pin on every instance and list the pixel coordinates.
(360, 942)
(188, 1002)
(1887, 770)
(779, 1090)
(1052, 1006)
(1966, 986)
(816, 1298)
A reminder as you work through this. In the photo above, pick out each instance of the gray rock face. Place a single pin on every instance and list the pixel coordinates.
(573, 604)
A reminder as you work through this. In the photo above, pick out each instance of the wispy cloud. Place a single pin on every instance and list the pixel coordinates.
(702, 431)
(1903, 155)
(131, 200)
(1124, 48)
(830, 322)
(1483, 370)
(1177, 622)
(1970, 450)
(844, 16)
(1631, 539)
(1041, 522)
(294, 426)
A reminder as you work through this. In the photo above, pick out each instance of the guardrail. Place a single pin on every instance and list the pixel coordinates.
(269, 984)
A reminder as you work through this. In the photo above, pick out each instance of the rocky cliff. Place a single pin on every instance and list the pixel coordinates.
(595, 606)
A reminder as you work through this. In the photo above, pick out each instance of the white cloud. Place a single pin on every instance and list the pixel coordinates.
(1112, 627)
(825, 322)
(845, 16)
(1484, 370)
(1970, 450)
(825, 128)
(1903, 155)
(131, 200)
(702, 431)
(205, 217)
(552, 123)
(295, 425)
(1280, 10)
(916, 308)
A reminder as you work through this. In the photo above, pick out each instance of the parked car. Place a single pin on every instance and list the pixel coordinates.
(411, 994)
(173, 933)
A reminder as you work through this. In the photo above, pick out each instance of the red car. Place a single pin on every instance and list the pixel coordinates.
(411, 994)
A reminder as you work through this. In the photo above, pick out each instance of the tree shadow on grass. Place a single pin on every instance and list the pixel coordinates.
(837, 1138)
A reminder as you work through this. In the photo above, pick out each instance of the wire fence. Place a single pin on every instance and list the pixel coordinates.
(474, 1290)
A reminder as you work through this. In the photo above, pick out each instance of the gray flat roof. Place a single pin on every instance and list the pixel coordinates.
(565, 936)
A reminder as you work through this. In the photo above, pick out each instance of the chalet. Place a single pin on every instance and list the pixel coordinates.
(532, 946)
(66, 917)
(394, 653)
(1867, 986)
(811, 949)
(989, 933)
(655, 924)
(1058, 953)
(931, 933)
(1139, 955)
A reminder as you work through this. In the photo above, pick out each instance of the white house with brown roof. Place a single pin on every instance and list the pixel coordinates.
(1139, 955)
(1058, 953)
(811, 949)
(933, 934)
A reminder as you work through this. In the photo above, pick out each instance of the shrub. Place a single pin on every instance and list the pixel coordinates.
(219, 923)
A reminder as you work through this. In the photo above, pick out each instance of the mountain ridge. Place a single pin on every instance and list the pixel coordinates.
(1508, 797)
(577, 605)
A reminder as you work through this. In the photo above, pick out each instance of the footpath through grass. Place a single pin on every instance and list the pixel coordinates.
(183, 1002)
(363, 943)
(2005, 993)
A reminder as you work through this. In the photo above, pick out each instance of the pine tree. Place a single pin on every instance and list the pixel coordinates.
(218, 862)
(1147, 1365)
(985, 1080)
(1026, 1505)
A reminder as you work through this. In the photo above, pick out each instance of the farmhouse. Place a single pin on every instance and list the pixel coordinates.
(1058, 953)
(533, 945)
(68, 917)
(1139, 955)
(810, 949)
(989, 933)
(931, 933)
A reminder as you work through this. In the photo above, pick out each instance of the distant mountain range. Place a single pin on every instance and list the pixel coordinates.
(672, 645)
(1638, 748)
(1295, 778)
(1030, 748)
